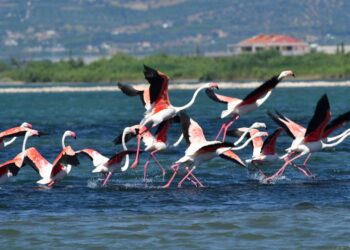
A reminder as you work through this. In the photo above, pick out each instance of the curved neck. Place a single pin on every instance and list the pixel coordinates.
(240, 139)
(178, 141)
(330, 145)
(246, 142)
(25, 142)
(330, 139)
(63, 140)
(190, 103)
(126, 164)
(9, 142)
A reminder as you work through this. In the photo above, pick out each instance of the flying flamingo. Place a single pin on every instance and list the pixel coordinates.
(237, 107)
(103, 164)
(13, 133)
(52, 173)
(200, 150)
(161, 108)
(315, 137)
(11, 167)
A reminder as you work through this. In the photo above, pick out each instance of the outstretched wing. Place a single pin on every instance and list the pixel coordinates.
(65, 157)
(269, 146)
(143, 93)
(93, 155)
(118, 157)
(221, 98)
(158, 90)
(231, 156)
(38, 162)
(13, 165)
(292, 128)
(319, 121)
(261, 91)
(338, 122)
(191, 130)
(16, 131)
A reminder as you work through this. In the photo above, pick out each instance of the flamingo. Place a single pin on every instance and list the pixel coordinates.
(11, 167)
(14, 133)
(103, 164)
(315, 137)
(52, 173)
(161, 108)
(237, 107)
(200, 150)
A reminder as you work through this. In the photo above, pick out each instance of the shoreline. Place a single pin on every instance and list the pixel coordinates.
(181, 86)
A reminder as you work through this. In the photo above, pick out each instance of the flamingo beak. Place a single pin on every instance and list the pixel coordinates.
(74, 135)
(42, 133)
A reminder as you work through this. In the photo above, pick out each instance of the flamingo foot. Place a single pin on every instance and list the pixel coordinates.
(198, 183)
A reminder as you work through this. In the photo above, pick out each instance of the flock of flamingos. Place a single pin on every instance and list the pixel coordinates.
(160, 114)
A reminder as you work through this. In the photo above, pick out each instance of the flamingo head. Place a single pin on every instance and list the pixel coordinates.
(259, 125)
(262, 134)
(286, 73)
(213, 85)
(32, 132)
(71, 134)
(26, 125)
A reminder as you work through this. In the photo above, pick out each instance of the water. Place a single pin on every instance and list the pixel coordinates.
(233, 211)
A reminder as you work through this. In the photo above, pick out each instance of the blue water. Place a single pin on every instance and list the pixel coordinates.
(233, 210)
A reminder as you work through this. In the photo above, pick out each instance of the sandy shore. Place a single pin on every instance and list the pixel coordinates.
(22, 88)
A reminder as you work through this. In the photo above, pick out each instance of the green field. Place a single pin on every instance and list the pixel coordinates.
(123, 67)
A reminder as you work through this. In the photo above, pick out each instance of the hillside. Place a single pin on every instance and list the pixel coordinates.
(32, 29)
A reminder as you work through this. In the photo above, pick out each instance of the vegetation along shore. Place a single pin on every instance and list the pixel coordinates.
(122, 67)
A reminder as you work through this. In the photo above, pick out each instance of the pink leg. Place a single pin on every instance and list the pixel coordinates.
(145, 170)
(220, 131)
(136, 162)
(235, 118)
(106, 179)
(282, 169)
(195, 178)
(52, 183)
(156, 160)
(301, 169)
(186, 176)
(175, 168)
(304, 164)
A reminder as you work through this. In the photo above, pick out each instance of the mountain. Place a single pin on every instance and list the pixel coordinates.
(54, 29)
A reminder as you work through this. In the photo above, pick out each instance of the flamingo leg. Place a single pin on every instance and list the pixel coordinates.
(198, 183)
(156, 160)
(175, 168)
(52, 183)
(136, 161)
(106, 179)
(229, 124)
(220, 131)
(305, 166)
(305, 172)
(145, 170)
(186, 176)
(282, 169)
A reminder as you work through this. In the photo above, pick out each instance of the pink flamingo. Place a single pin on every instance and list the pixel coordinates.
(315, 137)
(200, 150)
(11, 167)
(105, 165)
(13, 133)
(161, 108)
(237, 107)
(52, 173)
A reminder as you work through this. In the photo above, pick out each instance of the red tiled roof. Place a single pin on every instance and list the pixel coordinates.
(271, 39)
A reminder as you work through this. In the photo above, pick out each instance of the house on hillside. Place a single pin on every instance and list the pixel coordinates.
(287, 45)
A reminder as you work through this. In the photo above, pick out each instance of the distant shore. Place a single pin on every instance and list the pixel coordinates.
(23, 88)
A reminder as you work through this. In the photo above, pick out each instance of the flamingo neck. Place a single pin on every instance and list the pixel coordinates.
(178, 141)
(126, 164)
(63, 140)
(330, 145)
(240, 139)
(330, 139)
(246, 142)
(190, 103)
(9, 142)
(25, 142)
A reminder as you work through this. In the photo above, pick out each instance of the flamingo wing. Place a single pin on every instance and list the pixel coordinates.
(269, 145)
(336, 123)
(134, 91)
(118, 157)
(292, 128)
(96, 157)
(191, 130)
(237, 132)
(65, 157)
(16, 131)
(212, 147)
(158, 91)
(38, 162)
(319, 121)
(257, 141)
(221, 98)
(13, 165)
(231, 156)
(128, 137)
(260, 91)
